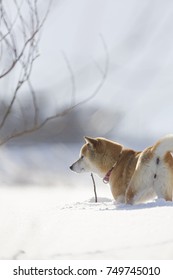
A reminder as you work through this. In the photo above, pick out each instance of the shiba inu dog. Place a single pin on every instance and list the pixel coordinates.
(133, 176)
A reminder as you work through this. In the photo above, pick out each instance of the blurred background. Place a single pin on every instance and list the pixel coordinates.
(75, 68)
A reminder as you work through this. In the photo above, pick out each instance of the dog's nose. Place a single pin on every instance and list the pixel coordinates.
(71, 167)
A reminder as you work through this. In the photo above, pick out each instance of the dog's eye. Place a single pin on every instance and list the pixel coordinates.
(82, 157)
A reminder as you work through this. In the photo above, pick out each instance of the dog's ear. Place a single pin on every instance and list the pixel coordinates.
(92, 142)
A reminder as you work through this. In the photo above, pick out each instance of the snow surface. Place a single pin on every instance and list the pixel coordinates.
(60, 224)
(58, 219)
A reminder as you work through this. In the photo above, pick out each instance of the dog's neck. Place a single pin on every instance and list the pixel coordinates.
(114, 159)
(109, 159)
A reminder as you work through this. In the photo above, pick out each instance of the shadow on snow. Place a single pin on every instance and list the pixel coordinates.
(105, 204)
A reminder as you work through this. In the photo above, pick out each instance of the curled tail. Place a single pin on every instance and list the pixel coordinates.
(164, 145)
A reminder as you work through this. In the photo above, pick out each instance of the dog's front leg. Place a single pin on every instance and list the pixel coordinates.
(130, 194)
(134, 187)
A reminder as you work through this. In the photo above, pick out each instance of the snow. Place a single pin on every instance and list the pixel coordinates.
(62, 220)
(59, 224)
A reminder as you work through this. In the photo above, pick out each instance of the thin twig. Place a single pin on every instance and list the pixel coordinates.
(72, 77)
(95, 193)
(104, 74)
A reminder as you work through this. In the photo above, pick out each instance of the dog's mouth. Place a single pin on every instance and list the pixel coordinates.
(82, 170)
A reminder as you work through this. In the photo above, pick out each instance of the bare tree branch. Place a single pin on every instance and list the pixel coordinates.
(25, 59)
(28, 52)
(30, 39)
(20, 54)
(67, 110)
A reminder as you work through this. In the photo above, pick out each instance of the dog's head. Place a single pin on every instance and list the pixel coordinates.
(87, 156)
(96, 156)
